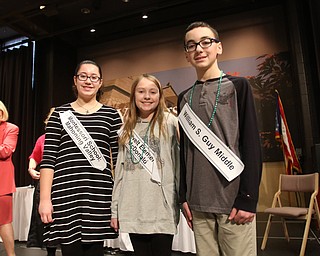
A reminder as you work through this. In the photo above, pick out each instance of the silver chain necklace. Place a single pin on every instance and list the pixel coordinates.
(87, 109)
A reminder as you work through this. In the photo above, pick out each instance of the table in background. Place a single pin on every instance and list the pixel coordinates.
(22, 209)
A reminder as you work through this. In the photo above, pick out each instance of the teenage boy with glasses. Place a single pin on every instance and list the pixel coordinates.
(220, 177)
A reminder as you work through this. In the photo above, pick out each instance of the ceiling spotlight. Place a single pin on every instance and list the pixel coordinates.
(85, 10)
(125, 1)
(92, 30)
(41, 7)
(144, 16)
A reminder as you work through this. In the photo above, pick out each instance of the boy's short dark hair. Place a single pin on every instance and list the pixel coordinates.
(198, 24)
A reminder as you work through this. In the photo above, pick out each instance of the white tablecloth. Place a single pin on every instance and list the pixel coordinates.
(183, 241)
(22, 209)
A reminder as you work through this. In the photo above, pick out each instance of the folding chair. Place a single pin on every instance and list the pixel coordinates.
(308, 183)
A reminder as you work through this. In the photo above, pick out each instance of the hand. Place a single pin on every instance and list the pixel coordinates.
(114, 224)
(34, 174)
(45, 211)
(240, 216)
(187, 214)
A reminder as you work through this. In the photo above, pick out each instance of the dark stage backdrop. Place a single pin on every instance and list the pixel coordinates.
(17, 94)
(29, 94)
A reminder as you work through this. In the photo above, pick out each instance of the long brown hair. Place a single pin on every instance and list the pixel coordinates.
(131, 116)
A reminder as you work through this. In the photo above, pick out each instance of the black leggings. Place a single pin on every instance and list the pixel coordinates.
(82, 249)
(51, 251)
(151, 244)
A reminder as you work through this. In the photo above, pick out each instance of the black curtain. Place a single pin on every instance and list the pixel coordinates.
(55, 62)
(16, 93)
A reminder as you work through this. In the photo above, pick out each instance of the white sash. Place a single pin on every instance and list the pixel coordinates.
(141, 150)
(226, 162)
(83, 140)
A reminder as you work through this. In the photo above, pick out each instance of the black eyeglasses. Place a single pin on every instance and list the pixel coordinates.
(204, 43)
(84, 77)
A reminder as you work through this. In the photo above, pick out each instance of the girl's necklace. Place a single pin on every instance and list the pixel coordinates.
(87, 109)
(217, 98)
(144, 148)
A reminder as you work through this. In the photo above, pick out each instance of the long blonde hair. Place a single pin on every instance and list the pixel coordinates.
(131, 116)
(5, 114)
(49, 115)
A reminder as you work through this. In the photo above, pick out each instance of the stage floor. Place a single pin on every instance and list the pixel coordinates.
(276, 245)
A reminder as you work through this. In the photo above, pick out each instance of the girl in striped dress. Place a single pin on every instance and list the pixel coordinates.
(76, 180)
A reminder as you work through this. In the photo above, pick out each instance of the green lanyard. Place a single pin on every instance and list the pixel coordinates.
(144, 148)
(217, 98)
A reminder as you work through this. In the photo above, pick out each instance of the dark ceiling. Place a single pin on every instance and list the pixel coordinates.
(71, 20)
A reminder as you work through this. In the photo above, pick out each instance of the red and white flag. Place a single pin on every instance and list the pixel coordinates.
(282, 134)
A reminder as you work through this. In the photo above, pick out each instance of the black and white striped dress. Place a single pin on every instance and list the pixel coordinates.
(81, 194)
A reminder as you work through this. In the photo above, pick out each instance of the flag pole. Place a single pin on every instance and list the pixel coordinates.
(282, 134)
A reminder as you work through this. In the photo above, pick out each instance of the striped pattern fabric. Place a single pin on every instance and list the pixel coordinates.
(81, 194)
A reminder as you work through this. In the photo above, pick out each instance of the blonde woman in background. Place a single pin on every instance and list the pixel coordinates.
(8, 142)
